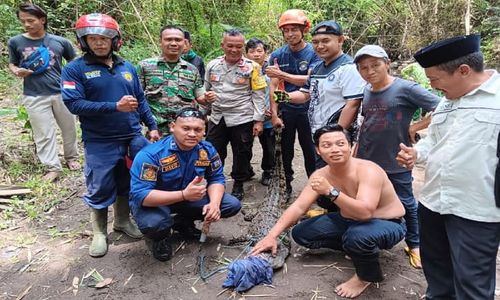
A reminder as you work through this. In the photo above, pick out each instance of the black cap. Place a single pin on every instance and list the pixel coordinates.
(332, 27)
(448, 50)
(187, 35)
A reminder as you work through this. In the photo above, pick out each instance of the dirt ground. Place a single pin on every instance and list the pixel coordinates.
(47, 259)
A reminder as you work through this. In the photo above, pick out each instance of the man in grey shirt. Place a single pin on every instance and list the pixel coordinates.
(41, 90)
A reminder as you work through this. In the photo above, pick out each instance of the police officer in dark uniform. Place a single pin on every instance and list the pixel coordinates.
(180, 174)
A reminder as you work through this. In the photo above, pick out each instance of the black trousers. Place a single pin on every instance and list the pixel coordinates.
(267, 141)
(458, 256)
(297, 121)
(241, 139)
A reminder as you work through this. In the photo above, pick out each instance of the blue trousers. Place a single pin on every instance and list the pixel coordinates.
(402, 183)
(155, 222)
(458, 256)
(362, 241)
(106, 174)
(296, 121)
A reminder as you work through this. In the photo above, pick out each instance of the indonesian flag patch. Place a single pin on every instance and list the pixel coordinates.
(69, 85)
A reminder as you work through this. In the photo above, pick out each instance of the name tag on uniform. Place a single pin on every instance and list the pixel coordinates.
(215, 77)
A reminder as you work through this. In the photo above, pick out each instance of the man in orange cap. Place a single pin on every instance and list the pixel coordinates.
(289, 67)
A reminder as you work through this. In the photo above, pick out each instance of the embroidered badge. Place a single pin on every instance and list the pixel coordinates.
(216, 162)
(203, 159)
(93, 74)
(303, 65)
(149, 172)
(127, 76)
(169, 163)
(214, 77)
(168, 160)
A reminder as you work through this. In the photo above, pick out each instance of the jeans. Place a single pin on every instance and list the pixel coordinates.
(157, 221)
(402, 183)
(362, 241)
(458, 256)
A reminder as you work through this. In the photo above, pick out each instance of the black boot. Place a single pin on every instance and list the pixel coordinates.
(161, 249)
(186, 227)
(266, 178)
(238, 190)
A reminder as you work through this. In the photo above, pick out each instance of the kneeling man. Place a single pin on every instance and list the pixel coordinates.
(369, 218)
(169, 177)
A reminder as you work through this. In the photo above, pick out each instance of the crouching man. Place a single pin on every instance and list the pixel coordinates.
(169, 177)
(369, 218)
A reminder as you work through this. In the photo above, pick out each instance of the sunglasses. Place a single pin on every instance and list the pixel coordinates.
(189, 114)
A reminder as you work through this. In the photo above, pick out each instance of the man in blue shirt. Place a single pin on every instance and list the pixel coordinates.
(288, 69)
(105, 92)
(180, 174)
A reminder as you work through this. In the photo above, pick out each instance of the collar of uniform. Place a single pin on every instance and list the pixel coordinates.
(490, 86)
(92, 60)
(181, 62)
(240, 63)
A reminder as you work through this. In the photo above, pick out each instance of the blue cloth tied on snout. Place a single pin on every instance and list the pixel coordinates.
(243, 274)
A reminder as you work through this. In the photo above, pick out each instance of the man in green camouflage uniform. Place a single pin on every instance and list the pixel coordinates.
(169, 82)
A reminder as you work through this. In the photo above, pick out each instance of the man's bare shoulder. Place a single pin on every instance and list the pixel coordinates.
(366, 167)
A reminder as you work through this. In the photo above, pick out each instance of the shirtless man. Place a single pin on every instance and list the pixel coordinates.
(369, 218)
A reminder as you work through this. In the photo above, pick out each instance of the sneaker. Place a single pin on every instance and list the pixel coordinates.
(51, 176)
(161, 249)
(265, 179)
(238, 190)
(187, 229)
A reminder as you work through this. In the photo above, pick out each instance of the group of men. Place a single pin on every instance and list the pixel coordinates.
(313, 89)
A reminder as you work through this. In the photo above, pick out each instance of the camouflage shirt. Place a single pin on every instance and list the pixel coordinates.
(169, 87)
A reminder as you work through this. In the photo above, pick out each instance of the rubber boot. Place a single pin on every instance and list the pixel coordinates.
(122, 220)
(99, 219)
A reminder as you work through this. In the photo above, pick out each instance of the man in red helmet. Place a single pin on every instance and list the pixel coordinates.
(104, 91)
(289, 67)
(41, 90)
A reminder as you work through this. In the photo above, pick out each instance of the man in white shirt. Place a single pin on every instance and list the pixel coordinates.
(459, 220)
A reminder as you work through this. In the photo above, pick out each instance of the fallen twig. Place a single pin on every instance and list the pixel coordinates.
(24, 293)
(409, 279)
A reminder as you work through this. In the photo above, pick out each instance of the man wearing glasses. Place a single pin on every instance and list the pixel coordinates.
(180, 174)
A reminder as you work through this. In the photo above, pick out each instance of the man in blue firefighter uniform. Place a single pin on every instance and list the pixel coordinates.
(180, 174)
(104, 91)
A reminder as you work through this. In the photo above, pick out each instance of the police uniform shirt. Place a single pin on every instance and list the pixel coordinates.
(240, 90)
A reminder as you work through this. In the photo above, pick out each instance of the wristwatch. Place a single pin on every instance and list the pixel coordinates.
(333, 194)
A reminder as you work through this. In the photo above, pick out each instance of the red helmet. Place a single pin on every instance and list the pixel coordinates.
(294, 17)
(100, 24)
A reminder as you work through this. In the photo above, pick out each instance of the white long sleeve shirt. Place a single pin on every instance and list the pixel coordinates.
(460, 151)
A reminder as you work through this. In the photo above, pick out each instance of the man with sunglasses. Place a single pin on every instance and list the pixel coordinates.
(180, 174)
(171, 83)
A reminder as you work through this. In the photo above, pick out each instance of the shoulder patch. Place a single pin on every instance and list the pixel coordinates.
(149, 172)
(215, 162)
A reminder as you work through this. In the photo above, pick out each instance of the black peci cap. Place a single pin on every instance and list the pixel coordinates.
(447, 50)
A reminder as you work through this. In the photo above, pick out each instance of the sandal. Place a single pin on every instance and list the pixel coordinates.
(73, 165)
(413, 258)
